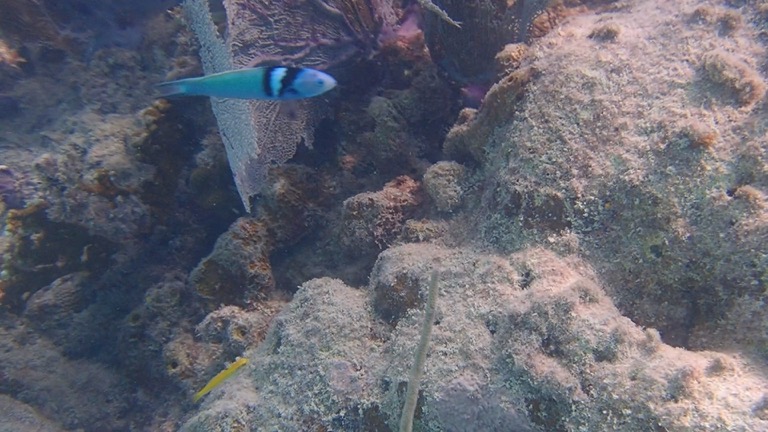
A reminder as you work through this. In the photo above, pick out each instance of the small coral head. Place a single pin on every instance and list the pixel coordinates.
(312, 82)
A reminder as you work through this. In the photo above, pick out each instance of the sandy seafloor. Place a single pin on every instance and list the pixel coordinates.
(588, 179)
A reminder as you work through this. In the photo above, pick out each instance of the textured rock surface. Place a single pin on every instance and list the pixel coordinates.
(372, 220)
(620, 159)
(20, 417)
(637, 155)
(32, 371)
(527, 341)
(238, 268)
(99, 173)
(235, 329)
(649, 156)
(10, 196)
(51, 308)
(444, 182)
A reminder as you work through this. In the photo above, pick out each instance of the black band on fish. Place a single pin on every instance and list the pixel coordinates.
(286, 84)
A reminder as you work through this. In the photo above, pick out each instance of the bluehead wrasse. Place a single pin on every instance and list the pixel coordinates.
(265, 83)
(220, 378)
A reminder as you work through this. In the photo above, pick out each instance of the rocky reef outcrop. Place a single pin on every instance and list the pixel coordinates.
(596, 220)
(526, 341)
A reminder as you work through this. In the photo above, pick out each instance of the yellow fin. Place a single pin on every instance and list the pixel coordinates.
(220, 378)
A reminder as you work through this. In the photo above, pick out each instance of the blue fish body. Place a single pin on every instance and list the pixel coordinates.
(265, 83)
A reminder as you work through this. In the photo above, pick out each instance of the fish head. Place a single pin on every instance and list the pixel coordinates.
(313, 83)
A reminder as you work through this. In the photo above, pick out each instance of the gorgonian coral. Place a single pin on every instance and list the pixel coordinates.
(309, 33)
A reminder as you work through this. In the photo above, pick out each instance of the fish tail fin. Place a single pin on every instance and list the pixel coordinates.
(173, 88)
(197, 396)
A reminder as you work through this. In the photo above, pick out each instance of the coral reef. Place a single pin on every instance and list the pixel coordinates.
(20, 417)
(424, 230)
(723, 68)
(141, 336)
(51, 307)
(416, 102)
(294, 203)
(598, 219)
(321, 35)
(9, 189)
(637, 168)
(79, 28)
(32, 371)
(237, 271)
(444, 182)
(98, 174)
(517, 340)
(317, 34)
(224, 334)
(467, 138)
(236, 329)
(42, 251)
(372, 220)
(467, 52)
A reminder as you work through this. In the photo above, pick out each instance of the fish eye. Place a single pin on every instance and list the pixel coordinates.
(320, 81)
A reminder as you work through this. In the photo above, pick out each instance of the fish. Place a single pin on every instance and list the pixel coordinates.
(261, 83)
(220, 378)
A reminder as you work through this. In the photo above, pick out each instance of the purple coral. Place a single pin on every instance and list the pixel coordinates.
(319, 33)
(9, 189)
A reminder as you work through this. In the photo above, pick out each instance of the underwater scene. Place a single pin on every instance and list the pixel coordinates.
(383, 215)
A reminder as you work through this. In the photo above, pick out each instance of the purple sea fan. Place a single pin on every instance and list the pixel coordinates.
(9, 189)
(309, 33)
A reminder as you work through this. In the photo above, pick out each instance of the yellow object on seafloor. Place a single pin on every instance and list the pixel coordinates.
(220, 377)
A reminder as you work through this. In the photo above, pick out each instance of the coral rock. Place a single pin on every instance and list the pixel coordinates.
(293, 201)
(417, 231)
(511, 57)
(235, 329)
(33, 369)
(53, 306)
(736, 76)
(10, 194)
(466, 140)
(444, 184)
(237, 271)
(43, 251)
(524, 342)
(636, 166)
(20, 417)
(372, 220)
